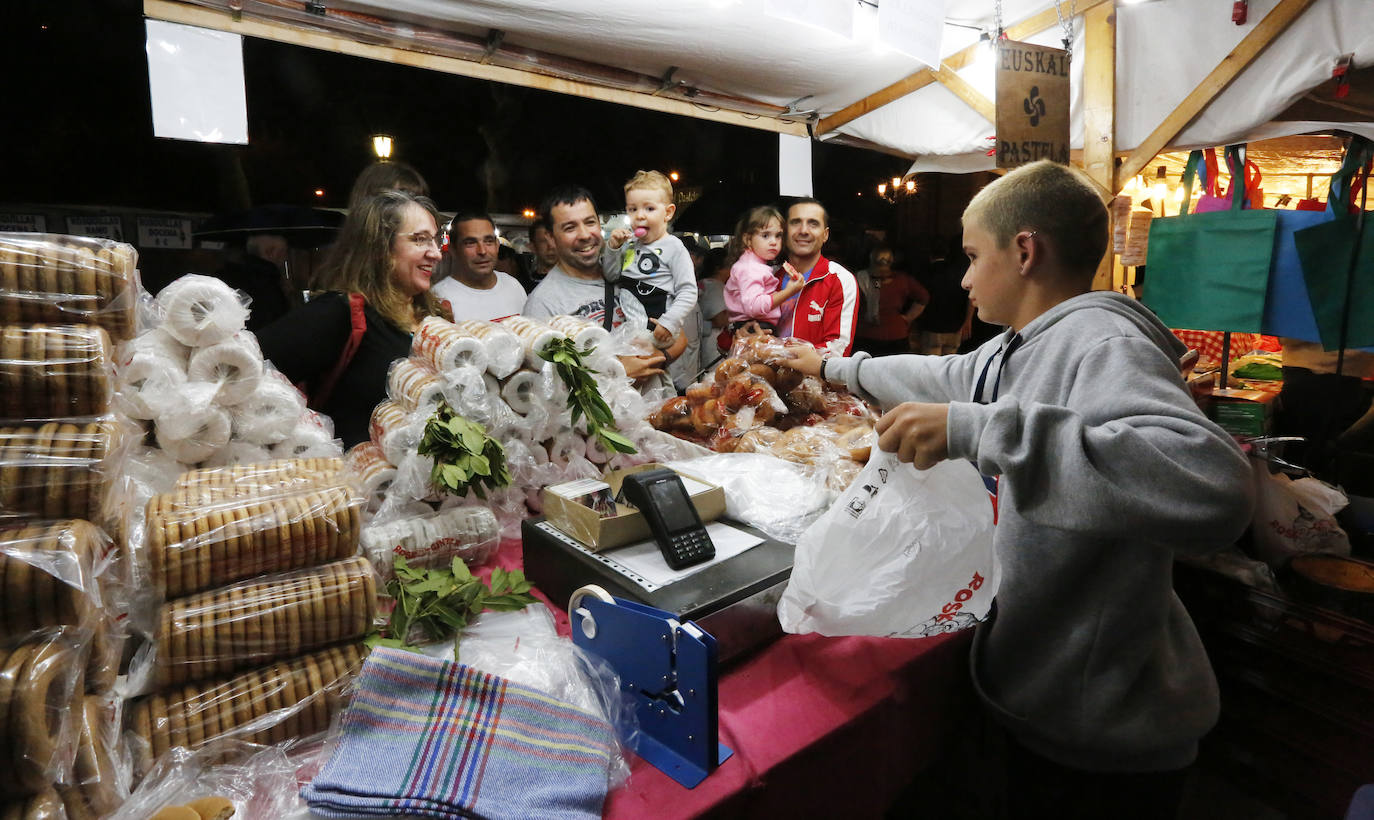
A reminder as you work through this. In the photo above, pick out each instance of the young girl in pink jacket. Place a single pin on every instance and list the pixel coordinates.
(755, 292)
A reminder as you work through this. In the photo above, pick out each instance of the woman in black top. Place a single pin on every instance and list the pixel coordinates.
(385, 254)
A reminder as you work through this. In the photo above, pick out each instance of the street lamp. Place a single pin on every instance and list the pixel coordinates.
(381, 146)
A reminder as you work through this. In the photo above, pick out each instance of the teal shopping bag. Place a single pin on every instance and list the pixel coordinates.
(1326, 250)
(1211, 271)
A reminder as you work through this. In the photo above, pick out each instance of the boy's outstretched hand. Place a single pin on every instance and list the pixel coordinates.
(916, 433)
(804, 359)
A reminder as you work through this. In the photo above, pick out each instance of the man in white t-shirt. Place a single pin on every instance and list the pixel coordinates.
(476, 289)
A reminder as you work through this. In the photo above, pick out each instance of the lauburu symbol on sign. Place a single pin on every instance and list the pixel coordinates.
(1034, 106)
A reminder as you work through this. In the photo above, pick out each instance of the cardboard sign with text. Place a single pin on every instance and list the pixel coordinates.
(1032, 104)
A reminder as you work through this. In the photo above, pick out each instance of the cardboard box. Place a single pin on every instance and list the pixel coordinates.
(1242, 412)
(627, 525)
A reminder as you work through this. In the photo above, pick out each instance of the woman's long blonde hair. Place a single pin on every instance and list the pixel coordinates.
(361, 259)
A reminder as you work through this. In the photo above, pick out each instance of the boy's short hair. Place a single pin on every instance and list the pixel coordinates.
(563, 195)
(651, 181)
(1057, 201)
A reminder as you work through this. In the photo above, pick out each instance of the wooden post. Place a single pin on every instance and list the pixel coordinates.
(1099, 117)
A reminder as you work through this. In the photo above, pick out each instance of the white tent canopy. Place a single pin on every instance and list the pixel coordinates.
(739, 61)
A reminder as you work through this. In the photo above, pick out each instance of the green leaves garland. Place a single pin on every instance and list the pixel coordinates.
(583, 397)
(434, 604)
(465, 457)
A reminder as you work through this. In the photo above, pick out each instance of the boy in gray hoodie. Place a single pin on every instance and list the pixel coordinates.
(1101, 469)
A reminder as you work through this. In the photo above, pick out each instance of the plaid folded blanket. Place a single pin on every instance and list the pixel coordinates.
(439, 739)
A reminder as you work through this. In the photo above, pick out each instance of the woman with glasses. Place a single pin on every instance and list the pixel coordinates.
(339, 345)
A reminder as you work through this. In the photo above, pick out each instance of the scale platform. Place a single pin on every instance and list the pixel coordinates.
(735, 599)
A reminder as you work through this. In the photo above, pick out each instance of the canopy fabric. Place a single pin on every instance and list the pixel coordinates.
(736, 55)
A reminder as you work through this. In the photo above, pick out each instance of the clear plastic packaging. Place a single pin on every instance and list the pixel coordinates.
(49, 571)
(262, 478)
(270, 413)
(54, 371)
(200, 537)
(194, 433)
(394, 430)
(106, 653)
(434, 540)
(780, 498)
(259, 783)
(503, 350)
(441, 345)
(584, 332)
(68, 279)
(234, 365)
(61, 469)
(100, 775)
(200, 311)
(365, 465)
(250, 623)
(413, 383)
(282, 701)
(312, 437)
(150, 373)
(533, 335)
(38, 681)
(45, 805)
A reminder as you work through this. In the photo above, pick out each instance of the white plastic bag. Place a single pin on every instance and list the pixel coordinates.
(1295, 517)
(902, 553)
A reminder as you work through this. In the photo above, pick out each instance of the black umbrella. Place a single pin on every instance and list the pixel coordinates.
(302, 227)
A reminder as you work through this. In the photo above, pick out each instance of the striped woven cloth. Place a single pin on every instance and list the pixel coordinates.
(438, 739)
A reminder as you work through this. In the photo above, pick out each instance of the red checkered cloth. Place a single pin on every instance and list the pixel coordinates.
(1208, 343)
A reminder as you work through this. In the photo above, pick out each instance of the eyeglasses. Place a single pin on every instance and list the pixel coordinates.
(421, 238)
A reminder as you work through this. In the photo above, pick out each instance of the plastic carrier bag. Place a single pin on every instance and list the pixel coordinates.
(902, 553)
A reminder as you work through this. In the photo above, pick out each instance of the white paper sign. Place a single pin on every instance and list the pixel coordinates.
(101, 227)
(794, 165)
(835, 16)
(913, 27)
(195, 76)
(164, 232)
(23, 223)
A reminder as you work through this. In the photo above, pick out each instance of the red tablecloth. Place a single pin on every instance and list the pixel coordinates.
(820, 726)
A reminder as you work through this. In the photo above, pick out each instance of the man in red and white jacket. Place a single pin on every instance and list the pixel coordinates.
(826, 310)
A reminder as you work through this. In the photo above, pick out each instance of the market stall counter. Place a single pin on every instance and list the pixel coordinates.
(819, 726)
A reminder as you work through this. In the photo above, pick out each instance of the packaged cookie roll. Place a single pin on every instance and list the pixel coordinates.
(38, 681)
(469, 533)
(97, 786)
(61, 469)
(262, 478)
(199, 538)
(76, 279)
(248, 624)
(48, 576)
(45, 805)
(54, 371)
(284, 700)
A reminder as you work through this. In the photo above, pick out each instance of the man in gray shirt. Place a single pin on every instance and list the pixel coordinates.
(575, 286)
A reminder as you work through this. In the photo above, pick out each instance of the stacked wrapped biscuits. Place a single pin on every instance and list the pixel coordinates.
(199, 380)
(491, 373)
(65, 301)
(261, 605)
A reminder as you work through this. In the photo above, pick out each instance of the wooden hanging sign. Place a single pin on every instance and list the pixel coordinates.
(1032, 104)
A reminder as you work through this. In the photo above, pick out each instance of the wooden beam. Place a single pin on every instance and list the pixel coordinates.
(1259, 38)
(959, 59)
(966, 92)
(1099, 115)
(177, 12)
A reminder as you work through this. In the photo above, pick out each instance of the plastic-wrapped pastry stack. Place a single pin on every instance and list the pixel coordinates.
(490, 373)
(65, 301)
(200, 380)
(256, 602)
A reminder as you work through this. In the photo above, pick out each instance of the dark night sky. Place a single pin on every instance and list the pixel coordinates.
(79, 131)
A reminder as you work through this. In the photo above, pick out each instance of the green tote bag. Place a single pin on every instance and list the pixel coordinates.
(1325, 252)
(1210, 271)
